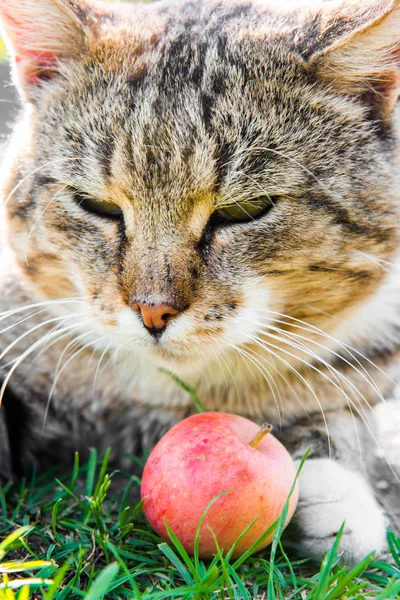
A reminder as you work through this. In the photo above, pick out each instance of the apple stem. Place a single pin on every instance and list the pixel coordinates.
(265, 429)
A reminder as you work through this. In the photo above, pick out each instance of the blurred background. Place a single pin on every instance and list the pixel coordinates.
(8, 100)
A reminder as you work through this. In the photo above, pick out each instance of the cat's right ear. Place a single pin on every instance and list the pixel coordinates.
(355, 47)
(41, 33)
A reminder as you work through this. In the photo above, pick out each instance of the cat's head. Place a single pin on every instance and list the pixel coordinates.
(201, 171)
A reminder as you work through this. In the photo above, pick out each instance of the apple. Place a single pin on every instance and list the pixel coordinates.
(210, 453)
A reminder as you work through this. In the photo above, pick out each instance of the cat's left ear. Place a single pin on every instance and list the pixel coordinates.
(40, 34)
(358, 52)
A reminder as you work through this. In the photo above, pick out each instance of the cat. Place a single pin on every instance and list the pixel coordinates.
(207, 188)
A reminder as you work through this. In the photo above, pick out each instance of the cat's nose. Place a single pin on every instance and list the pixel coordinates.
(155, 317)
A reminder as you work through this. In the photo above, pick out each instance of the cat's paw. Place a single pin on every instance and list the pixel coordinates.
(329, 496)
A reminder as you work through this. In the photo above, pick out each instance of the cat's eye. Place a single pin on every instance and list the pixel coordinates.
(245, 211)
(103, 208)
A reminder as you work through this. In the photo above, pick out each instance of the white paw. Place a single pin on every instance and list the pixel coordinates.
(330, 495)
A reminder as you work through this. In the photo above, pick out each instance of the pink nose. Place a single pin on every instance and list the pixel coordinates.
(155, 317)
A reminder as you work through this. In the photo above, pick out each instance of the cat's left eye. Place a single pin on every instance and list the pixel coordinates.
(245, 211)
(103, 208)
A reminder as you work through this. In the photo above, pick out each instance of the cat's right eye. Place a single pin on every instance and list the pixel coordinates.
(241, 212)
(102, 208)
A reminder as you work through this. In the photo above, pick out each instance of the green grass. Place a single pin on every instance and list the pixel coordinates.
(75, 538)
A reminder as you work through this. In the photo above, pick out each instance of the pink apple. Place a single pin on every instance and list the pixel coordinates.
(207, 454)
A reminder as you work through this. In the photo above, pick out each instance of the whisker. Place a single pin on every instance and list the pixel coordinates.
(294, 161)
(30, 331)
(38, 220)
(12, 312)
(364, 375)
(266, 376)
(305, 382)
(94, 404)
(69, 346)
(281, 376)
(338, 377)
(59, 371)
(313, 329)
(45, 347)
(265, 193)
(233, 378)
(40, 312)
(32, 173)
(348, 399)
(25, 354)
(331, 369)
(52, 343)
(377, 261)
(221, 366)
(235, 202)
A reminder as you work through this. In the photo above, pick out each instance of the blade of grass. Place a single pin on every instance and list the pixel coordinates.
(31, 565)
(91, 473)
(57, 581)
(281, 526)
(103, 471)
(54, 517)
(71, 493)
(13, 537)
(394, 546)
(244, 594)
(390, 592)
(183, 553)
(100, 585)
(123, 566)
(241, 536)
(178, 564)
(199, 526)
(347, 579)
(191, 391)
(320, 592)
(224, 566)
(75, 472)
(16, 584)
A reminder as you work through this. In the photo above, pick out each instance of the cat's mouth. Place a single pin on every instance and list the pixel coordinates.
(171, 352)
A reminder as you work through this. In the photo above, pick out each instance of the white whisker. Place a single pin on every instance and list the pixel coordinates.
(364, 375)
(266, 376)
(30, 331)
(38, 220)
(340, 388)
(25, 354)
(313, 329)
(59, 370)
(96, 375)
(34, 172)
(294, 161)
(12, 312)
(305, 382)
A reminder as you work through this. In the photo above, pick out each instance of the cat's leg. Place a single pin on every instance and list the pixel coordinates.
(335, 488)
(330, 495)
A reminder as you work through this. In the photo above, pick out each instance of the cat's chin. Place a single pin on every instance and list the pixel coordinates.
(184, 361)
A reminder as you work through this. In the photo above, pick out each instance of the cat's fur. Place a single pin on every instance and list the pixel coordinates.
(174, 110)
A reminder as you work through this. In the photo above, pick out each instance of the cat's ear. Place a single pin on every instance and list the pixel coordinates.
(39, 34)
(359, 52)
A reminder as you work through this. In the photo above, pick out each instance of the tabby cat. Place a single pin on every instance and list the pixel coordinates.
(209, 188)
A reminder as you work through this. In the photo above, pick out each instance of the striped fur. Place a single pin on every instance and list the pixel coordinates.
(173, 111)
